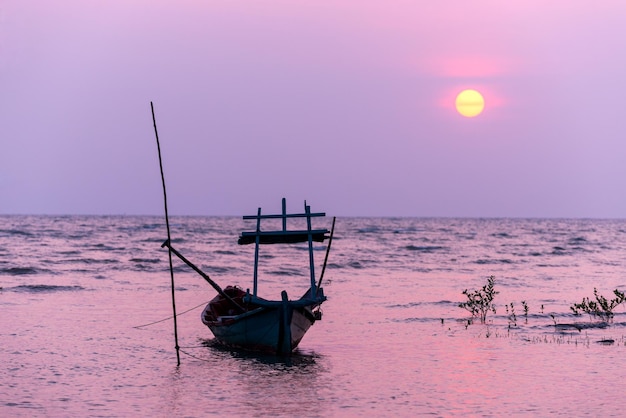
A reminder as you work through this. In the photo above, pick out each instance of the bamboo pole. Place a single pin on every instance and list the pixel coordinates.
(330, 241)
(206, 277)
(167, 223)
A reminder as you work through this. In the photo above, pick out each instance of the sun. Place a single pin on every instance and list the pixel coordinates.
(470, 103)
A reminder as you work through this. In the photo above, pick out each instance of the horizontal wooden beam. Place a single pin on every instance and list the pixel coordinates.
(282, 237)
(291, 215)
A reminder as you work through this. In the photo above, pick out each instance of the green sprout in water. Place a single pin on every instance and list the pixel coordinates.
(480, 302)
(512, 317)
(601, 307)
(525, 305)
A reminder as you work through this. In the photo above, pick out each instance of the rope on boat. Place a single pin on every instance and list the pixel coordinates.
(197, 358)
(195, 346)
(170, 317)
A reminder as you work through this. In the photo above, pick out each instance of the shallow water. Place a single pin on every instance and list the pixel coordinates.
(78, 292)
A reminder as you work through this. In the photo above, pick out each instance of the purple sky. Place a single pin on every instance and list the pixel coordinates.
(347, 104)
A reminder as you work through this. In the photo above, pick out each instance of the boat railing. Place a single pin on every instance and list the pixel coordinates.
(306, 300)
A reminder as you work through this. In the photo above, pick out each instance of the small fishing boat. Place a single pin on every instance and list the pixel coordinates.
(245, 320)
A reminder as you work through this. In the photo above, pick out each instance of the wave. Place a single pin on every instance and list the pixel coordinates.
(92, 261)
(490, 261)
(424, 303)
(218, 269)
(407, 305)
(145, 260)
(225, 252)
(368, 230)
(19, 271)
(501, 235)
(105, 247)
(9, 232)
(356, 265)
(334, 266)
(580, 326)
(425, 249)
(70, 252)
(286, 272)
(45, 288)
(410, 230)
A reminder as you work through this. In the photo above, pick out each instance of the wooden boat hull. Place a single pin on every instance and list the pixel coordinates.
(269, 329)
(276, 329)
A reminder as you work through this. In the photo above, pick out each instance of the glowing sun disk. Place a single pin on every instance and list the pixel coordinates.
(470, 103)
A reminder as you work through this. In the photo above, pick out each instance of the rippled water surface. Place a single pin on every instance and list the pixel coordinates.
(81, 297)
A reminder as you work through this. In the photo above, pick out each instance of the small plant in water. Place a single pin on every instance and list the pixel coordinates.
(512, 317)
(601, 307)
(480, 302)
(525, 306)
(554, 320)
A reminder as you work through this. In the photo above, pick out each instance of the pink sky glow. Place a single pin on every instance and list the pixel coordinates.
(349, 105)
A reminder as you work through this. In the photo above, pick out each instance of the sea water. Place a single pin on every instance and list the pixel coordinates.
(86, 327)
